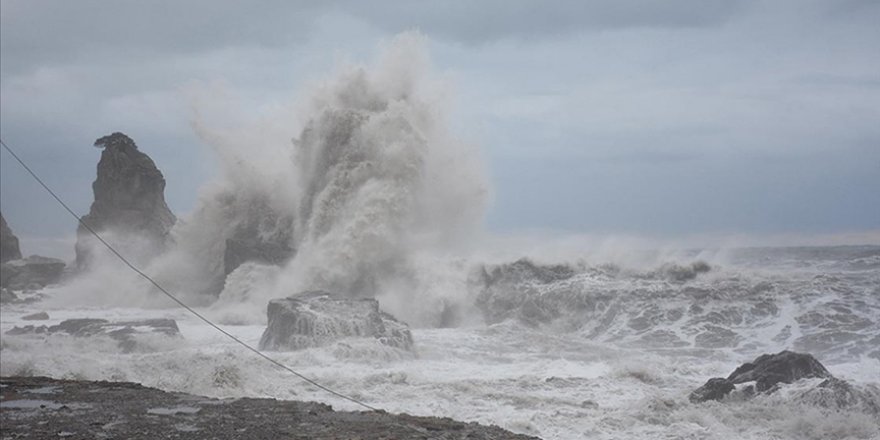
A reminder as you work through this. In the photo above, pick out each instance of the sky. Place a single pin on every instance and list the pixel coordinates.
(649, 118)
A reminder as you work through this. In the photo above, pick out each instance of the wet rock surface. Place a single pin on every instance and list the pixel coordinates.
(34, 272)
(40, 408)
(129, 200)
(318, 318)
(125, 332)
(9, 249)
(767, 372)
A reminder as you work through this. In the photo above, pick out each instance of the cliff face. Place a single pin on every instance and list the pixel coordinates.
(129, 201)
(9, 249)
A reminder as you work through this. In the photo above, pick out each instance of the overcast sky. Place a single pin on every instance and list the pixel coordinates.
(601, 117)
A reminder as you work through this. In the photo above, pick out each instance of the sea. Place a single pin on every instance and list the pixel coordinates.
(613, 354)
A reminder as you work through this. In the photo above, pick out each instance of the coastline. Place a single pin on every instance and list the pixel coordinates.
(42, 407)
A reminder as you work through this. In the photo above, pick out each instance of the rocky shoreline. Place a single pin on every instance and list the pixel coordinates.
(41, 407)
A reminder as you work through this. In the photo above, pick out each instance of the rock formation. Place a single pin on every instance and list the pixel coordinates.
(318, 318)
(767, 371)
(88, 410)
(34, 272)
(262, 235)
(129, 201)
(124, 332)
(9, 249)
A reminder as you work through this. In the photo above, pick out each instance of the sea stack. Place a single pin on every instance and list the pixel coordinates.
(9, 249)
(129, 208)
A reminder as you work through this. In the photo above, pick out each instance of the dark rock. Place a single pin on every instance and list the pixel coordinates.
(34, 272)
(241, 251)
(715, 389)
(9, 249)
(6, 296)
(783, 367)
(129, 201)
(41, 316)
(131, 411)
(767, 371)
(679, 273)
(318, 318)
(122, 331)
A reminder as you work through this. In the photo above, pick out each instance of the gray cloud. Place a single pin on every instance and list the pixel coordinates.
(593, 115)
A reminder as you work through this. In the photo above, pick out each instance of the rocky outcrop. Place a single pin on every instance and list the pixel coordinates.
(9, 249)
(31, 273)
(129, 202)
(89, 410)
(262, 235)
(125, 332)
(767, 371)
(318, 318)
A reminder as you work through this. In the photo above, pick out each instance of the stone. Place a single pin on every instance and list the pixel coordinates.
(715, 389)
(41, 316)
(129, 202)
(122, 331)
(31, 273)
(9, 249)
(767, 371)
(783, 367)
(318, 318)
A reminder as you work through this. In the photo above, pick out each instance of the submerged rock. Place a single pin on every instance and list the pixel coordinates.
(9, 249)
(512, 291)
(41, 316)
(122, 331)
(129, 201)
(767, 371)
(319, 318)
(34, 272)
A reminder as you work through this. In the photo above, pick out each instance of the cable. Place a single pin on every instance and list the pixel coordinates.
(179, 302)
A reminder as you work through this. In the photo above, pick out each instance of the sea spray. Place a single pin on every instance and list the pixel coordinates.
(370, 189)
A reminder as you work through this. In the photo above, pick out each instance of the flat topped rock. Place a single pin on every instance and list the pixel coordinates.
(34, 272)
(122, 331)
(121, 410)
(317, 318)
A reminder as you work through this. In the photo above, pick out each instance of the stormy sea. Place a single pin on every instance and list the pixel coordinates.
(362, 195)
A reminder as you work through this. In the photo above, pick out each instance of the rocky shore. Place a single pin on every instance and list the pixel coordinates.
(40, 408)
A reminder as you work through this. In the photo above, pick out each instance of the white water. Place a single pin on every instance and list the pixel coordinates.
(380, 200)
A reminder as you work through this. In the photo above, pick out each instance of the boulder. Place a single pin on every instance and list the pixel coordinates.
(122, 331)
(41, 316)
(767, 371)
(9, 249)
(715, 389)
(783, 367)
(129, 201)
(34, 272)
(318, 318)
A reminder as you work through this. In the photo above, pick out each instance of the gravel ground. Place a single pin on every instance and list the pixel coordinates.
(44, 408)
